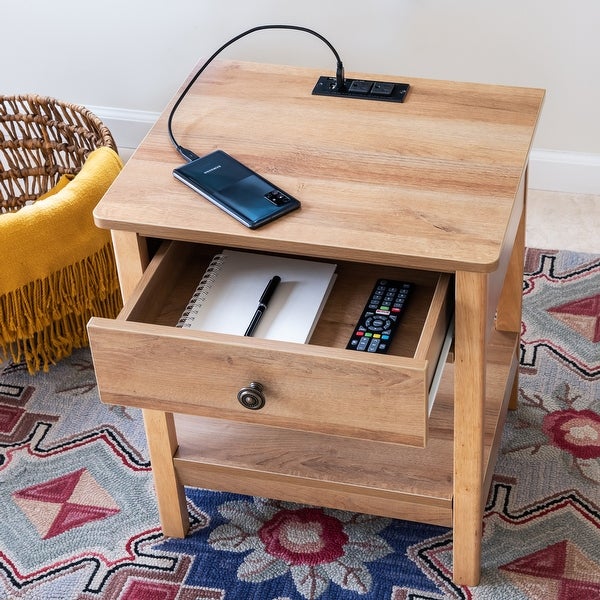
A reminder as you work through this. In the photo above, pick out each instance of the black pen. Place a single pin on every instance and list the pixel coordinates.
(263, 303)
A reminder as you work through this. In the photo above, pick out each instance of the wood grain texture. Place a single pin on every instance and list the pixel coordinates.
(162, 443)
(130, 269)
(348, 473)
(306, 387)
(469, 402)
(432, 189)
(311, 387)
(428, 183)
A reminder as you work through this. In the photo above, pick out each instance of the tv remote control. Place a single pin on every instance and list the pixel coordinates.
(380, 317)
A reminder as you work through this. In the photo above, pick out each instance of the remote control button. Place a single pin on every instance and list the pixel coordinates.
(374, 344)
(362, 345)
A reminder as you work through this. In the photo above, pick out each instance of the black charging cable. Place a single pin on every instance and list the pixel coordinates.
(339, 76)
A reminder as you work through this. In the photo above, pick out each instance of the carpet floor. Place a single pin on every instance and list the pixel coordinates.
(79, 516)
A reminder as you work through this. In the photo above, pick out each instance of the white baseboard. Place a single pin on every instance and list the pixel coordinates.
(128, 127)
(574, 172)
(553, 170)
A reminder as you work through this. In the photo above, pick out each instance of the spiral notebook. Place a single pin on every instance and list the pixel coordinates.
(228, 294)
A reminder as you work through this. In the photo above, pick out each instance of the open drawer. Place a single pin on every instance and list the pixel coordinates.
(142, 359)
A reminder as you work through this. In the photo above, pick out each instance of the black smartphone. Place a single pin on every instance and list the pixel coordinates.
(236, 189)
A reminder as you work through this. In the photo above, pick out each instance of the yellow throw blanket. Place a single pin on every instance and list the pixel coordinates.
(57, 268)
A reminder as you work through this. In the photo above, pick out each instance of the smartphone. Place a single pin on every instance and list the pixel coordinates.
(236, 189)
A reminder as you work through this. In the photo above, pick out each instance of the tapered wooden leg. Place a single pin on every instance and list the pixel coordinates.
(469, 395)
(162, 442)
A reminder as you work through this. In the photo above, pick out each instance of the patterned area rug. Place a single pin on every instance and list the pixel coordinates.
(79, 518)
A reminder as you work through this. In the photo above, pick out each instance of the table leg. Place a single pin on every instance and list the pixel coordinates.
(509, 313)
(162, 442)
(469, 395)
(131, 254)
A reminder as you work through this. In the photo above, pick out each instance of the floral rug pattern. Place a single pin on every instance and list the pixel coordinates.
(79, 518)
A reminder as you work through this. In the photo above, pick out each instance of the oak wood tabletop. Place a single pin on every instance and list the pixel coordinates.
(429, 183)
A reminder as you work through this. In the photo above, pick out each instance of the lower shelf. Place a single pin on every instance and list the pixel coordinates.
(359, 475)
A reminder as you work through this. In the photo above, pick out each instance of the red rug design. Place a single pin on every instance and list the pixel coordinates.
(66, 502)
(583, 315)
(561, 571)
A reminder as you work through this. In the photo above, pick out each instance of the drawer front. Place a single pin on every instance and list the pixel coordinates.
(305, 387)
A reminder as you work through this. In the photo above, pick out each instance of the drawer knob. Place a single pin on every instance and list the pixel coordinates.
(252, 397)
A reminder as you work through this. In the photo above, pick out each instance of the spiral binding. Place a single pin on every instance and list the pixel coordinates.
(202, 291)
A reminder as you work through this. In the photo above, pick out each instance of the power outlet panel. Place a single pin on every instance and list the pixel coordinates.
(362, 88)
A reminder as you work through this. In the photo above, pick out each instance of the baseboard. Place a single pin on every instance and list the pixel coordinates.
(128, 127)
(573, 172)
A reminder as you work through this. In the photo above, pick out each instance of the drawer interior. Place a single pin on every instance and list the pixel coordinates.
(177, 267)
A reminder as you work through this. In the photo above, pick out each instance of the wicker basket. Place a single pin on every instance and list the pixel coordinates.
(41, 139)
(57, 267)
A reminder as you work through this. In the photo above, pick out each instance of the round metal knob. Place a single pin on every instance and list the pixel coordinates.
(251, 397)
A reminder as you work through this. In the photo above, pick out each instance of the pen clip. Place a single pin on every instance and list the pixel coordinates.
(269, 290)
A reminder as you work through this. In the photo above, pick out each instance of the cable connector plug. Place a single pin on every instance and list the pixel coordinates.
(187, 153)
(340, 77)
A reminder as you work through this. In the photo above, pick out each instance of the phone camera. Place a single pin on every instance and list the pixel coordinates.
(277, 198)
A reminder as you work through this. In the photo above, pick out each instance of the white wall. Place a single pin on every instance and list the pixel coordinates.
(125, 59)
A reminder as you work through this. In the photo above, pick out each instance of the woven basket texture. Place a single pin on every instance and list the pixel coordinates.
(41, 139)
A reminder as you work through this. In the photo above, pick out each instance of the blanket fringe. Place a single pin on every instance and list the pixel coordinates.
(45, 320)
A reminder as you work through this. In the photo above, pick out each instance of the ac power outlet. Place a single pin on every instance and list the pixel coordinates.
(365, 89)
